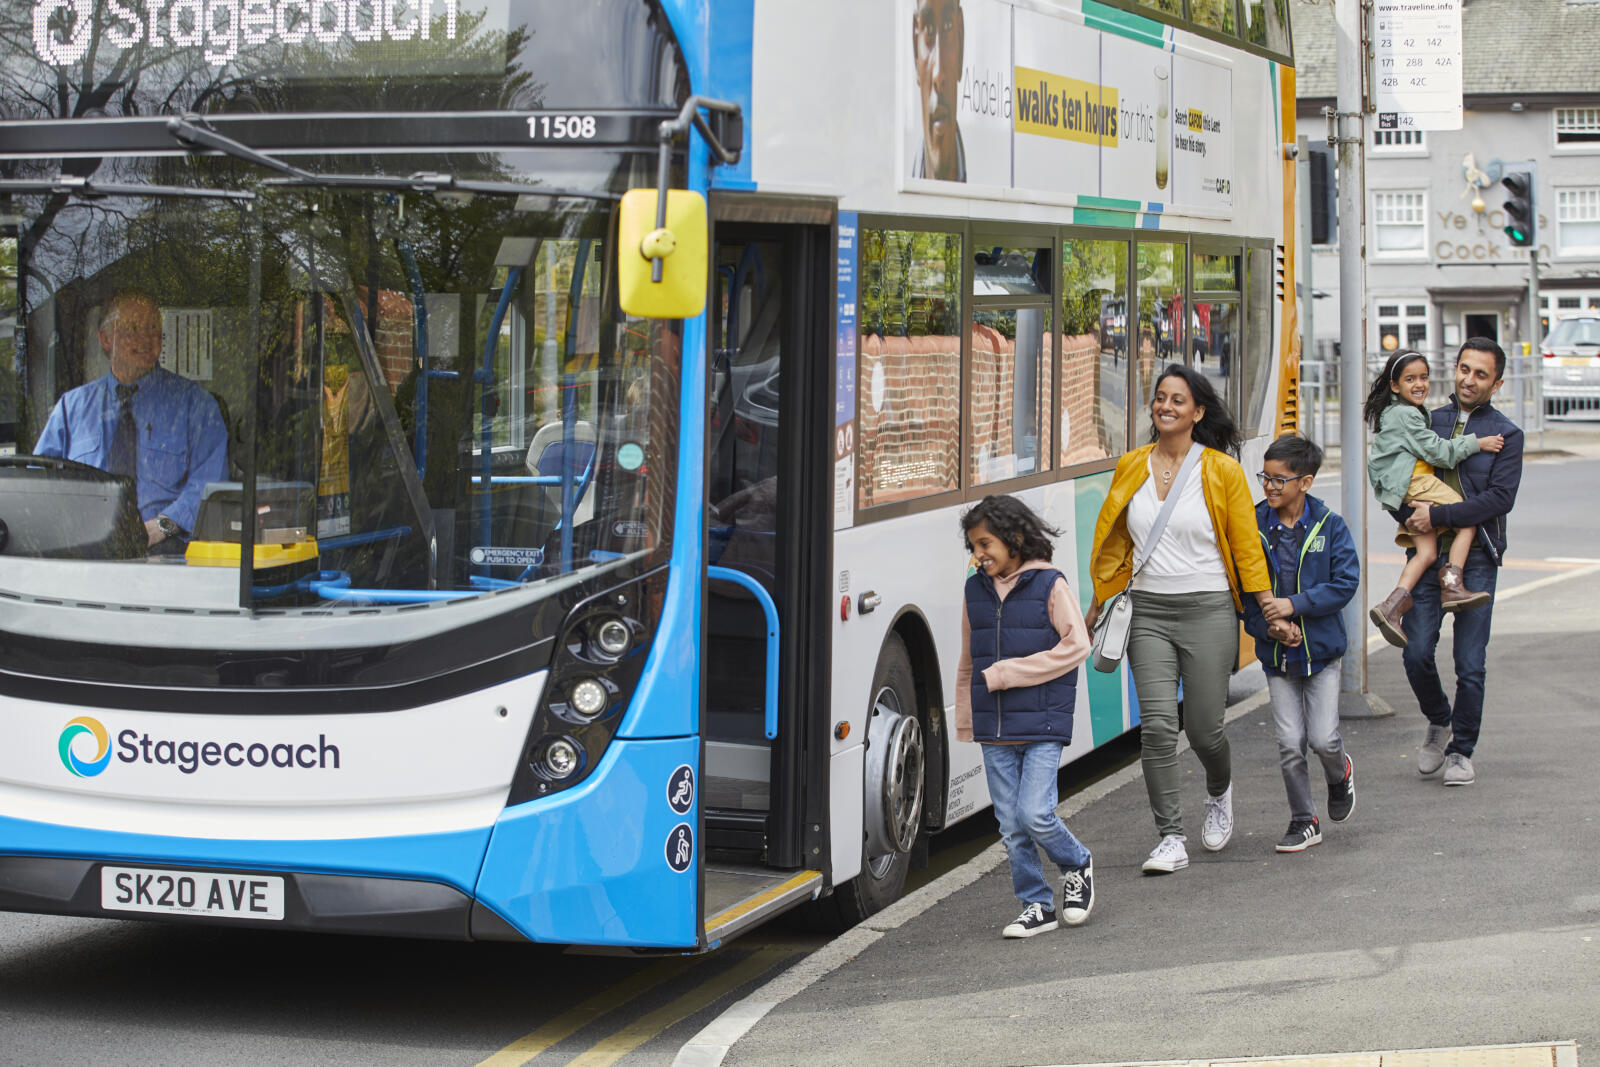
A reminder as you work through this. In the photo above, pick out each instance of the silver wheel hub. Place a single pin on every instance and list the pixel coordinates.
(895, 756)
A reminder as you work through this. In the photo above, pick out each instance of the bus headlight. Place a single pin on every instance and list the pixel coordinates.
(612, 637)
(589, 698)
(561, 758)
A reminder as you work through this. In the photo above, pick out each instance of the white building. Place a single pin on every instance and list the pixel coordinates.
(1439, 267)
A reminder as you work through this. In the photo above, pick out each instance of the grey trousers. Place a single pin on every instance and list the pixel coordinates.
(1305, 711)
(1195, 637)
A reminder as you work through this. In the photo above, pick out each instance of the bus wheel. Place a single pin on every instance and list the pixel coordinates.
(892, 807)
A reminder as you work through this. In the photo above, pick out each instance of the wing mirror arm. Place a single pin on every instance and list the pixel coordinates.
(659, 243)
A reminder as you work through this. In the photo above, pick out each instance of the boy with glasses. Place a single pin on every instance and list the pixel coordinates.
(1315, 571)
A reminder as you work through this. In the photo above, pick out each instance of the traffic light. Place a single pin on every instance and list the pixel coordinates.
(1520, 217)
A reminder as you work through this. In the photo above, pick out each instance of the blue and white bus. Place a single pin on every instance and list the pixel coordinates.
(385, 547)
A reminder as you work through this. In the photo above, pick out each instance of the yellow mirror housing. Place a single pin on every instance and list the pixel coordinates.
(680, 247)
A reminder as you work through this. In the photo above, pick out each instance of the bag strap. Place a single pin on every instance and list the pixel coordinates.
(1167, 505)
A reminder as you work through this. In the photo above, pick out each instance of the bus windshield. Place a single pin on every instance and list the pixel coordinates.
(326, 288)
(415, 396)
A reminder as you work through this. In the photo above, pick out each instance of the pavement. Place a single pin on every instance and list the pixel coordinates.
(1435, 917)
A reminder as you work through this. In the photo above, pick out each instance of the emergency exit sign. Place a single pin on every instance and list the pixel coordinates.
(1416, 73)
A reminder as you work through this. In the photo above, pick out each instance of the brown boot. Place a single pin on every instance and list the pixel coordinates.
(1386, 616)
(1454, 594)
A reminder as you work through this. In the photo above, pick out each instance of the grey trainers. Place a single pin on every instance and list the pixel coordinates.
(1458, 770)
(1430, 757)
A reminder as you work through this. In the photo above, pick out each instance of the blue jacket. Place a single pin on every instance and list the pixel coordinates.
(1489, 480)
(1017, 626)
(1329, 572)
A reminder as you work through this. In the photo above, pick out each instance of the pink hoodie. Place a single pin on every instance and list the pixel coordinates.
(1065, 616)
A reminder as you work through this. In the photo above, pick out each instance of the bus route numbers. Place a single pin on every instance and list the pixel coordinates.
(562, 127)
(1416, 82)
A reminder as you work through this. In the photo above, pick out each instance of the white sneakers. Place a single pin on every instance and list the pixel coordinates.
(1217, 828)
(1215, 832)
(1168, 856)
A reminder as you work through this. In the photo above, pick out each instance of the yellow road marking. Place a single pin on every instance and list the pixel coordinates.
(609, 1050)
(744, 907)
(574, 1019)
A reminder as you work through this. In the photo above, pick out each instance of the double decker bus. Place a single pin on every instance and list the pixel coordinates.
(416, 520)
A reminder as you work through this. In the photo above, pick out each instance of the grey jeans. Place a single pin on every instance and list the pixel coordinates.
(1195, 637)
(1305, 711)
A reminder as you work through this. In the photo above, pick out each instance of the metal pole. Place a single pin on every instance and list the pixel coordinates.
(1351, 137)
(1533, 367)
(1308, 335)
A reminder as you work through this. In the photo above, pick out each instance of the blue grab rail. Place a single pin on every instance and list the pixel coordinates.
(744, 581)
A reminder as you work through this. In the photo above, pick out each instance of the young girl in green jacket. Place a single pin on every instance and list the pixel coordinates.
(1401, 467)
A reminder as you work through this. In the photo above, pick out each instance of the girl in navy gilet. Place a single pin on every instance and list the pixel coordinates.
(1022, 640)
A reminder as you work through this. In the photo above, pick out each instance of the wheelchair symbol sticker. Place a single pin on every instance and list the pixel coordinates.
(680, 847)
(680, 789)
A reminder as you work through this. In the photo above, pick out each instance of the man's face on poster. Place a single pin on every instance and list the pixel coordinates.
(938, 34)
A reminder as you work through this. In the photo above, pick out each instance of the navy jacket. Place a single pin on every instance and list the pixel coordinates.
(1017, 626)
(1324, 582)
(1489, 480)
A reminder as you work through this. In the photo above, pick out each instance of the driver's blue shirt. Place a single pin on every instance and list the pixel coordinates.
(182, 441)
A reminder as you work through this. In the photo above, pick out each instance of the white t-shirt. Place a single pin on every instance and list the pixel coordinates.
(1187, 559)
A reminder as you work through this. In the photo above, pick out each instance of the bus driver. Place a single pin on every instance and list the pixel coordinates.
(162, 430)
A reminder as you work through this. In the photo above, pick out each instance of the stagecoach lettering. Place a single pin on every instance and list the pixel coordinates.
(63, 29)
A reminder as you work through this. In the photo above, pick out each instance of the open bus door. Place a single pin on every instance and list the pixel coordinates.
(767, 546)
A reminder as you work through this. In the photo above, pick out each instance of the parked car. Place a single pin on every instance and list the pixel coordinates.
(1571, 352)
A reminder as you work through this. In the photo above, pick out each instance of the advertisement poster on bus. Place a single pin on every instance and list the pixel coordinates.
(1088, 112)
(957, 123)
(844, 386)
(1060, 110)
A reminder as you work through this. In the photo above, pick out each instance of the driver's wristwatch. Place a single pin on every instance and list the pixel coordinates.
(168, 528)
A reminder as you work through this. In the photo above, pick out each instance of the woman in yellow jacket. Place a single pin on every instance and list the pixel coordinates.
(1186, 597)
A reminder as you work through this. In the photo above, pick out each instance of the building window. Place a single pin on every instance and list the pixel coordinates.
(1578, 222)
(1577, 126)
(1402, 325)
(1400, 224)
(1398, 142)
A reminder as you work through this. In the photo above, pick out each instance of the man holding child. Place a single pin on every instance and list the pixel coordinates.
(1489, 482)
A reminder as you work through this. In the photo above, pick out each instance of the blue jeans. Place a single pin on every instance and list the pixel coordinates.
(1022, 785)
(1305, 713)
(1471, 647)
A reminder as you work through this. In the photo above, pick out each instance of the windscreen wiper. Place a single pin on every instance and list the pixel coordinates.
(434, 182)
(194, 136)
(73, 185)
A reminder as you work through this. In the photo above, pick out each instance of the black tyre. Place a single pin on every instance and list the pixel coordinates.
(895, 784)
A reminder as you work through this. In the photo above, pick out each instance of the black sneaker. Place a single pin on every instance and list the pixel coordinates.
(1035, 919)
(1077, 895)
(1301, 836)
(1342, 795)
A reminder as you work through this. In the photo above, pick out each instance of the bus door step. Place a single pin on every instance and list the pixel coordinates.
(739, 897)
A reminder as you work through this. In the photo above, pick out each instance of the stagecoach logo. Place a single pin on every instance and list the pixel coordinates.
(83, 726)
(64, 29)
(188, 756)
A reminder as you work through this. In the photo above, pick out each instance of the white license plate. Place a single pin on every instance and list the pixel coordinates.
(220, 894)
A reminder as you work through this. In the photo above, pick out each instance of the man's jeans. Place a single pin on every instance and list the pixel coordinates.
(1305, 711)
(1022, 785)
(1471, 647)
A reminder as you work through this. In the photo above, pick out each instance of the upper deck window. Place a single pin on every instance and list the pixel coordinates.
(152, 57)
